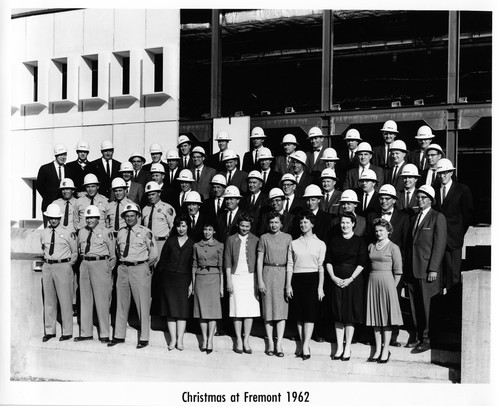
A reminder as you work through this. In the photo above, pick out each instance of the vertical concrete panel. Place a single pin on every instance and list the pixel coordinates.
(167, 110)
(98, 31)
(39, 37)
(162, 27)
(163, 133)
(129, 29)
(68, 136)
(38, 149)
(68, 33)
(20, 89)
(127, 139)
(95, 135)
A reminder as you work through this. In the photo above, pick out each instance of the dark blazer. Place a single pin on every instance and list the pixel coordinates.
(223, 231)
(239, 179)
(76, 173)
(333, 202)
(412, 210)
(248, 164)
(98, 169)
(398, 184)
(213, 161)
(315, 167)
(47, 184)
(378, 157)
(280, 165)
(196, 233)
(323, 225)
(426, 245)
(414, 158)
(203, 186)
(400, 222)
(255, 210)
(142, 178)
(305, 181)
(135, 193)
(232, 252)
(190, 163)
(298, 205)
(373, 204)
(352, 176)
(423, 177)
(208, 209)
(457, 208)
(272, 181)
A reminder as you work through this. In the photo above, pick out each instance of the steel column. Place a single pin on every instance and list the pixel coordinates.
(453, 84)
(215, 66)
(326, 61)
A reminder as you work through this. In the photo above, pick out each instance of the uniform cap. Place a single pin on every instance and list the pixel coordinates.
(390, 126)
(199, 150)
(53, 211)
(299, 156)
(265, 153)
(155, 149)
(444, 165)
(126, 167)
(329, 154)
(185, 176)
(152, 186)
(106, 144)
(353, 134)
(276, 192)
(219, 180)
(364, 147)
(349, 196)
(229, 154)
(119, 183)
(90, 179)
(183, 139)
(313, 191)
(388, 190)
(428, 190)
(83, 145)
(222, 136)
(289, 177)
(60, 149)
(92, 211)
(232, 191)
(410, 170)
(157, 168)
(257, 132)
(172, 154)
(424, 132)
(255, 175)
(67, 183)
(315, 132)
(289, 139)
(368, 174)
(193, 197)
(328, 173)
(138, 155)
(398, 145)
(130, 207)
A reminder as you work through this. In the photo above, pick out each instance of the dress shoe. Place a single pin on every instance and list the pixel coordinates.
(345, 358)
(280, 354)
(238, 351)
(65, 337)
(83, 338)
(47, 337)
(298, 355)
(395, 343)
(142, 344)
(179, 347)
(203, 349)
(247, 351)
(270, 353)
(384, 361)
(337, 357)
(373, 359)
(209, 350)
(104, 340)
(422, 347)
(319, 339)
(115, 341)
(412, 343)
(305, 357)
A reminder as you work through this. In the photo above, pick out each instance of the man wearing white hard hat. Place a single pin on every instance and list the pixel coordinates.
(76, 170)
(139, 175)
(454, 200)
(67, 204)
(184, 146)
(418, 157)
(197, 220)
(91, 197)
(216, 159)
(186, 184)
(227, 219)
(106, 168)
(234, 177)
(299, 167)
(60, 253)
(250, 159)
(135, 190)
(119, 202)
(277, 203)
(215, 203)
(314, 163)
(348, 203)
(347, 156)
(270, 178)
(294, 203)
(407, 196)
(156, 152)
(367, 193)
(424, 265)
(283, 162)
(381, 153)
(331, 196)
(398, 153)
(324, 221)
(50, 175)
(172, 169)
(255, 200)
(168, 192)
(433, 153)
(202, 174)
(364, 154)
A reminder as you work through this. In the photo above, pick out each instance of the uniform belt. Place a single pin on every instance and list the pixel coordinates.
(57, 261)
(101, 258)
(269, 264)
(132, 263)
(201, 268)
(160, 238)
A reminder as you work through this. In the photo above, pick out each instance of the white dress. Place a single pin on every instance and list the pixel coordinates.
(243, 301)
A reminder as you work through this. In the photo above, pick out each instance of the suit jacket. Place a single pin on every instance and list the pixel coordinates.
(414, 158)
(208, 209)
(47, 184)
(142, 178)
(352, 176)
(135, 193)
(344, 164)
(255, 210)
(314, 168)
(398, 183)
(298, 205)
(457, 208)
(196, 233)
(272, 181)
(426, 245)
(280, 165)
(203, 186)
(412, 209)
(423, 177)
(190, 163)
(248, 164)
(98, 169)
(213, 161)
(378, 157)
(323, 226)
(305, 181)
(232, 252)
(373, 204)
(76, 173)
(239, 179)
(223, 230)
(333, 203)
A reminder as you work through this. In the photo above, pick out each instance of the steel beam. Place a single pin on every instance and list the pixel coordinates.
(215, 66)
(453, 84)
(326, 61)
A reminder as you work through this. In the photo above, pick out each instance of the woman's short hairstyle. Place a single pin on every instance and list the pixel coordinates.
(275, 214)
(307, 214)
(350, 216)
(179, 218)
(383, 223)
(245, 217)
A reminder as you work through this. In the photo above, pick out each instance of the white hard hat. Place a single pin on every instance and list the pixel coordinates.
(388, 190)
(353, 134)
(368, 174)
(193, 197)
(53, 211)
(60, 149)
(289, 139)
(398, 145)
(158, 167)
(199, 150)
(329, 154)
(185, 176)
(276, 192)
(265, 153)
(428, 190)
(435, 147)
(182, 139)
(118, 183)
(289, 177)
(229, 154)
(328, 173)
(67, 183)
(390, 126)
(315, 132)
(299, 156)
(90, 179)
(172, 154)
(350, 196)
(126, 167)
(219, 180)
(222, 136)
(424, 132)
(232, 191)
(255, 175)
(106, 144)
(364, 147)
(313, 191)
(82, 145)
(92, 211)
(444, 165)
(257, 132)
(131, 207)
(155, 149)
(152, 186)
(410, 170)
(138, 155)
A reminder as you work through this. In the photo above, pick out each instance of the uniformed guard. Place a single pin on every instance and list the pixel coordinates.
(67, 204)
(137, 253)
(60, 253)
(92, 198)
(115, 208)
(96, 247)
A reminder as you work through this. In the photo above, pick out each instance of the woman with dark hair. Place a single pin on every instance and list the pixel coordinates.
(382, 310)
(345, 259)
(271, 274)
(208, 284)
(304, 280)
(175, 279)
(240, 258)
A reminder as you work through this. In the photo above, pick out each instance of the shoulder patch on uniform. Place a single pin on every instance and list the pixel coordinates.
(149, 235)
(170, 211)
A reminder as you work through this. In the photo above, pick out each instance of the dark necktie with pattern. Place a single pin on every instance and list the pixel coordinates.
(52, 241)
(117, 216)
(66, 214)
(150, 221)
(127, 242)
(87, 247)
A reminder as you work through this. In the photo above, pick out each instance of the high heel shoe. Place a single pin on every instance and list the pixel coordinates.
(306, 356)
(209, 351)
(337, 357)
(344, 358)
(384, 361)
(373, 359)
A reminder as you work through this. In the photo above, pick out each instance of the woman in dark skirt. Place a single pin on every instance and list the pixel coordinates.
(304, 280)
(208, 284)
(345, 259)
(175, 279)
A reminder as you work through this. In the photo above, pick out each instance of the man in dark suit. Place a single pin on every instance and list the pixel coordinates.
(172, 171)
(364, 155)
(202, 174)
(426, 247)
(429, 176)
(106, 168)
(215, 202)
(407, 196)
(367, 194)
(233, 175)
(313, 162)
(215, 160)
(76, 170)
(347, 157)
(331, 197)
(418, 157)
(454, 200)
(398, 153)
(250, 159)
(283, 163)
(156, 152)
(186, 184)
(255, 200)
(276, 202)
(197, 220)
(135, 190)
(381, 154)
(299, 166)
(184, 146)
(293, 202)
(227, 219)
(139, 175)
(50, 175)
(270, 178)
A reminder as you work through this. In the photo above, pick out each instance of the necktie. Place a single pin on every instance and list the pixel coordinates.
(327, 199)
(422, 162)
(219, 204)
(185, 162)
(351, 156)
(443, 193)
(288, 162)
(297, 178)
(385, 157)
(287, 204)
(87, 246)
(416, 224)
(393, 181)
(407, 201)
(135, 176)
(229, 177)
(433, 176)
(264, 177)
(220, 157)
(171, 176)
(365, 201)
(52, 241)
(252, 203)
(117, 216)
(127, 243)
(182, 198)
(108, 170)
(193, 221)
(197, 175)
(60, 174)
(386, 215)
(92, 201)
(254, 156)
(150, 220)
(66, 214)
(229, 220)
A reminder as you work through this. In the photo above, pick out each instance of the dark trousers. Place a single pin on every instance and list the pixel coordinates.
(452, 263)
(421, 292)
